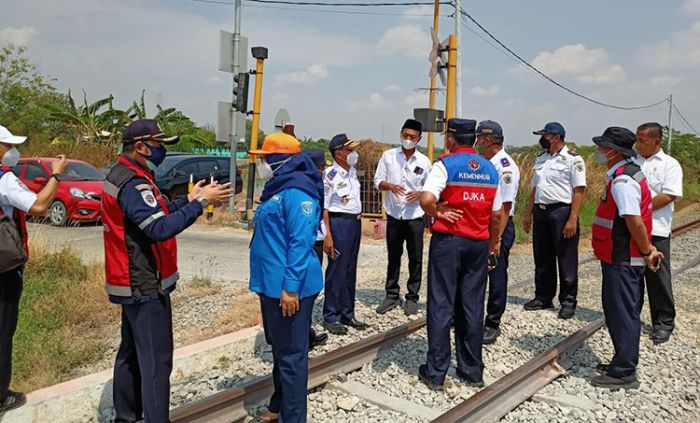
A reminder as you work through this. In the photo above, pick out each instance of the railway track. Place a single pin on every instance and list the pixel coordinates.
(488, 404)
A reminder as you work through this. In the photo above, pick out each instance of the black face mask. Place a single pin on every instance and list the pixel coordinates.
(544, 143)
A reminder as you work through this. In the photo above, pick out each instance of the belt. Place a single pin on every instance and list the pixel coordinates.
(551, 206)
(351, 216)
(405, 220)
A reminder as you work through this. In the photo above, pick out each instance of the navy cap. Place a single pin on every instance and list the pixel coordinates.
(145, 130)
(554, 128)
(461, 126)
(317, 156)
(619, 139)
(341, 140)
(489, 127)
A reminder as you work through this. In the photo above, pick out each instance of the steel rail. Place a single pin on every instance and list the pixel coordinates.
(229, 406)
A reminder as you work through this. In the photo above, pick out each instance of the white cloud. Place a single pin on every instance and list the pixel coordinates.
(577, 63)
(18, 36)
(419, 12)
(393, 87)
(691, 7)
(311, 74)
(681, 51)
(485, 92)
(407, 40)
(375, 102)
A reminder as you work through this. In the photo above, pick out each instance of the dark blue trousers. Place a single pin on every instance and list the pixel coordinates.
(621, 308)
(10, 293)
(144, 362)
(341, 273)
(289, 337)
(457, 272)
(498, 280)
(551, 249)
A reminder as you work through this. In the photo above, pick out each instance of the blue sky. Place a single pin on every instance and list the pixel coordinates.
(357, 73)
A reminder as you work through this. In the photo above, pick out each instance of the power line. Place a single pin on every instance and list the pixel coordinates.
(550, 79)
(343, 12)
(325, 4)
(680, 115)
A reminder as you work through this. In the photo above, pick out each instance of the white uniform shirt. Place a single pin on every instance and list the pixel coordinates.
(555, 177)
(410, 174)
(626, 192)
(341, 190)
(664, 176)
(510, 177)
(14, 194)
(437, 181)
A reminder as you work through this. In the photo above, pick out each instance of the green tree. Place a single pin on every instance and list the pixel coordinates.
(89, 122)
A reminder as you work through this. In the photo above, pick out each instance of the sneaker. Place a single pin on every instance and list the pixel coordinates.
(469, 381)
(610, 382)
(411, 308)
(537, 304)
(566, 312)
(423, 376)
(12, 400)
(335, 328)
(491, 334)
(388, 304)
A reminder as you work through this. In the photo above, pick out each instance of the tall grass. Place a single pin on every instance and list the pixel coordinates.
(98, 155)
(64, 314)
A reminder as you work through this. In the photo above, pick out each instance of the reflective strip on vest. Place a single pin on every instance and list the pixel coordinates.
(472, 184)
(170, 280)
(603, 222)
(150, 219)
(637, 261)
(119, 291)
(111, 189)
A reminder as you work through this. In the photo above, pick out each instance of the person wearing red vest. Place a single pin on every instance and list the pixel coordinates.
(141, 268)
(621, 240)
(462, 195)
(16, 200)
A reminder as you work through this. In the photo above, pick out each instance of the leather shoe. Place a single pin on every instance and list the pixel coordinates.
(354, 323)
(602, 368)
(469, 381)
(388, 304)
(660, 336)
(491, 334)
(335, 328)
(317, 340)
(537, 304)
(423, 376)
(566, 312)
(610, 382)
(411, 308)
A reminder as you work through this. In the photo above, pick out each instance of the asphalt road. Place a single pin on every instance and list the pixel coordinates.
(220, 254)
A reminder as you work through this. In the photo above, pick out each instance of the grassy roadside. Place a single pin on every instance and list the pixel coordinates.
(64, 314)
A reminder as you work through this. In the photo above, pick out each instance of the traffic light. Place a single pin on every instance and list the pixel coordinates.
(241, 92)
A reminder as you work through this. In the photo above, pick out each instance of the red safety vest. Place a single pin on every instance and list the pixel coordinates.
(612, 241)
(19, 217)
(472, 182)
(135, 265)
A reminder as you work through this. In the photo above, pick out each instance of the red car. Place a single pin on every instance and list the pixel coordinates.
(79, 190)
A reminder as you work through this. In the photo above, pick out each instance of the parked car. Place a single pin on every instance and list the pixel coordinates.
(79, 195)
(173, 175)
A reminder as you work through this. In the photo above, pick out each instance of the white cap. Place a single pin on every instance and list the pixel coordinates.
(7, 137)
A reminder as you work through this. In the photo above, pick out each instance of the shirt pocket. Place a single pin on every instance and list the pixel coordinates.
(343, 192)
(558, 172)
(655, 180)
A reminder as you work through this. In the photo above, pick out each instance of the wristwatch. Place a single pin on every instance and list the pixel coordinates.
(203, 201)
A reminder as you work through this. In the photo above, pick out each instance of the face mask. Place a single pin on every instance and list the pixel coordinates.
(408, 144)
(157, 155)
(352, 158)
(544, 143)
(481, 148)
(601, 157)
(264, 169)
(11, 157)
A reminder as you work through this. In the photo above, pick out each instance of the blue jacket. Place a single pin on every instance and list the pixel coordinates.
(281, 252)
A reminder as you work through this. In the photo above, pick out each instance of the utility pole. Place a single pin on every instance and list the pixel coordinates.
(670, 124)
(233, 170)
(458, 81)
(260, 54)
(451, 80)
(431, 104)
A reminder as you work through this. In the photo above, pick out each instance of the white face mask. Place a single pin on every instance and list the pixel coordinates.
(264, 169)
(408, 144)
(601, 157)
(11, 157)
(352, 158)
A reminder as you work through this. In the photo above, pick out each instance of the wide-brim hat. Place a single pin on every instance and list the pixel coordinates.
(619, 139)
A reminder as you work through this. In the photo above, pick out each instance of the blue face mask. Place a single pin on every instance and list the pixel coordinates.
(157, 155)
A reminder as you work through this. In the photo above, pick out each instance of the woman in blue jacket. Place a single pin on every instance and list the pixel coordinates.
(284, 269)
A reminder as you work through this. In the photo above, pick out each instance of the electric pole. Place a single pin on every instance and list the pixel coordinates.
(451, 80)
(458, 81)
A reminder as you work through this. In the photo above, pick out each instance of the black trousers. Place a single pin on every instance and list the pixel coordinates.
(399, 232)
(144, 362)
(10, 293)
(498, 280)
(551, 249)
(659, 289)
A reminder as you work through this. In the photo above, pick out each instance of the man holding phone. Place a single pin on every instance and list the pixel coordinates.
(622, 242)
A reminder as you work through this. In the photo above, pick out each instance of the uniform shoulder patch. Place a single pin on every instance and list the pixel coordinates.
(144, 187)
(505, 162)
(507, 178)
(579, 167)
(572, 153)
(307, 207)
(331, 174)
(149, 198)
